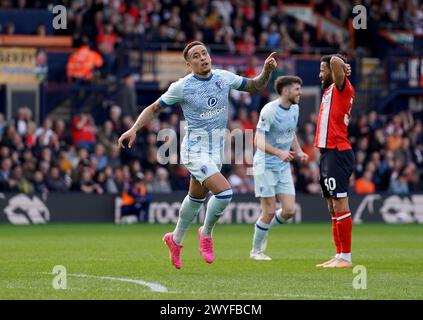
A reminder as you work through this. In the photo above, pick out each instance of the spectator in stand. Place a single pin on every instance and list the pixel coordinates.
(115, 114)
(399, 185)
(359, 164)
(106, 42)
(394, 141)
(41, 30)
(136, 199)
(64, 163)
(5, 172)
(179, 177)
(3, 125)
(83, 131)
(62, 133)
(240, 181)
(244, 120)
(10, 29)
(87, 184)
(80, 69)
(107, 136)
(412, 176)
(247, 45)
(18, 182)
(127, 95)
(114, 159)
(22, 121)
(83, 62)
(55, 182)
(161, 183)
(373, 121)
(365, 184)
(114, 181)
(39, 183)
(149, 180)
(45, 133)
(100, 156)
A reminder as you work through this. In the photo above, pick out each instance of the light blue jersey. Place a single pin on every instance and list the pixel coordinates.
(279, 125)
(204, 102)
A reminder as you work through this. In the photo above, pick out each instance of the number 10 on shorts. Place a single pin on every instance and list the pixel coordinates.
(330, 184)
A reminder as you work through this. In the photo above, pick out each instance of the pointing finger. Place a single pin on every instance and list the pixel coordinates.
(272, 55)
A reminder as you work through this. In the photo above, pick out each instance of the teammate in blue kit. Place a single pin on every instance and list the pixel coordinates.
(274, 139)
(203, 96)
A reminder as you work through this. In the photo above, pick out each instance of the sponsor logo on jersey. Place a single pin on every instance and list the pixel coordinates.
(211, 102)
(211, 113)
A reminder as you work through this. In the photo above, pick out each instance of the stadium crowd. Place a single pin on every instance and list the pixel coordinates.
(82, 154)
(232, 25)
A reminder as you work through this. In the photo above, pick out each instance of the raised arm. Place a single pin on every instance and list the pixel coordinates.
(145, 117)
(259, 83)
(338, 68)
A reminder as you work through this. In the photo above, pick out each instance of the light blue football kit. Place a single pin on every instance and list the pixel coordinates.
(272, 176)
(204, 102)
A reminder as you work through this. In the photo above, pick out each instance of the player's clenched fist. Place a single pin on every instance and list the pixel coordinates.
(302, 156)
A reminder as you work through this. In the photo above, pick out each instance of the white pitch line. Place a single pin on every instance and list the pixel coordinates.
(155, 287)
(280, 295)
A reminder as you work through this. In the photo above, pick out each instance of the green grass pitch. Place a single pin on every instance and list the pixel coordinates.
(391, 254)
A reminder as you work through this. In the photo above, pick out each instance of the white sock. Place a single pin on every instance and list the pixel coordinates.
(277, 218)
(346, 256)
(215, 208)
(189, 209)
(261, 230)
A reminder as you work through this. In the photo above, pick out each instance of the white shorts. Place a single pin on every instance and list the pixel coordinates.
(270, 183)
(201, 166)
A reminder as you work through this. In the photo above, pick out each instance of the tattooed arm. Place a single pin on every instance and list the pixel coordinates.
(259, 83)
(145, 117)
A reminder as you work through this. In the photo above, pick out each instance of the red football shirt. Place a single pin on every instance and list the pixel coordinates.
(334, 116)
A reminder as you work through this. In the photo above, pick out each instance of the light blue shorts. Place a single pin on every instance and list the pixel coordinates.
(201, 166)
(270, 183)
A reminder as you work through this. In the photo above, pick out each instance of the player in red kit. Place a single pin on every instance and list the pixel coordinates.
(337, 157)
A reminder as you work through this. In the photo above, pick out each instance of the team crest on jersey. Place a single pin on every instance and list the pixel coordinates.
(211, 102)
(219, 84)
(203, 169)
